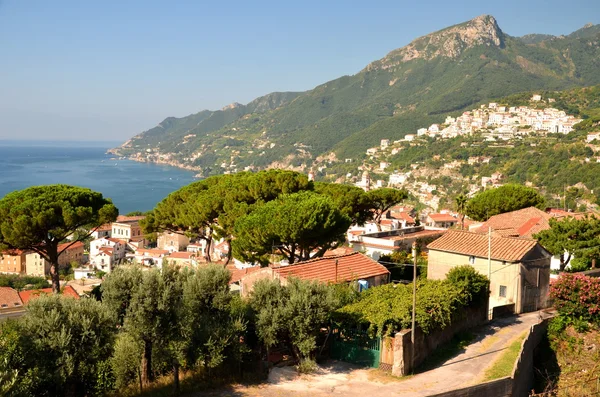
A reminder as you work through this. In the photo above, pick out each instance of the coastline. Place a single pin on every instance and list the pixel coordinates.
(171, 163)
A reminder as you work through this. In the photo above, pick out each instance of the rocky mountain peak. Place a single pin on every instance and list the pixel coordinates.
(232, 106)
(449, 42)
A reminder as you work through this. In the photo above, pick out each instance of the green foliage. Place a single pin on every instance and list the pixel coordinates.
(576, 237)
(39, 218)
(126, 360)
(297, 224)
(20, 282)
(381, 200)
(503, 199)
(293, 314)
(51, 360)
(388, 308)
(475, 284)
(352, 201)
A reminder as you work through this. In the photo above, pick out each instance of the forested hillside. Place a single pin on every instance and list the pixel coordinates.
(442, 73)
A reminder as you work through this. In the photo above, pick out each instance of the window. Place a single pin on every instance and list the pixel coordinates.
(472, 260)
(4, 305)
(503, 291)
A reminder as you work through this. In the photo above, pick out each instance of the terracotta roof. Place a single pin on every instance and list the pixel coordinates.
(339, 251)
(104, 228)
(12, 252)
(10, 298)
(106, 250)
(350, 267)
(116, 240)
(521, 223)
(403, 216)
(443, 218)
(123, 218)
(76, 245)
(26, 296)
(237, 274)
(151, 252)
(182, 255)
(475, 244)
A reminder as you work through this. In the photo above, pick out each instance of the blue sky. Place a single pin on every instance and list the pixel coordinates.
(107, 70)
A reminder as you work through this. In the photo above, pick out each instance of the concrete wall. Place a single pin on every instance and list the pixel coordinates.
(425, 344)
(522, 376)
(496, 388)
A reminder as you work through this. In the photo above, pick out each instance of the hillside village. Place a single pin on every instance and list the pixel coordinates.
(492, 125)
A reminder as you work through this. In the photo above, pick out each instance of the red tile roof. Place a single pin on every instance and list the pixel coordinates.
(116, 240)
(475, 244)
(350, 267)
(75, 245)
(521, 223)
(182, 255)
(10, 298)
(151, 252)
(26, 296)
(237, 274)
(442, 218)
(123, 218)
(403, 216)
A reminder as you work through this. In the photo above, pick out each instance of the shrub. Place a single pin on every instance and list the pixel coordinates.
(307, 366)
(577, 297)
(388, 308)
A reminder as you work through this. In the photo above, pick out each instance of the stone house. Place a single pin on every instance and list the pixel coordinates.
(519, 269)
(172, 242)
(70, 252)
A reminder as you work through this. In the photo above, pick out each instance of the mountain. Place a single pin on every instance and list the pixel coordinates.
(446, 71)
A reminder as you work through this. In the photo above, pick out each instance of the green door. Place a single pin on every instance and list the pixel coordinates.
(356, 347)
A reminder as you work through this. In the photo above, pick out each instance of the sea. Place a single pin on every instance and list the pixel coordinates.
(132, 186)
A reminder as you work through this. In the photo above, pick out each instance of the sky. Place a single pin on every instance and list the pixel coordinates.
(108, 70)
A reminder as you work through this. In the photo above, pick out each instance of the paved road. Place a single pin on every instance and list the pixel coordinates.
(339, 378)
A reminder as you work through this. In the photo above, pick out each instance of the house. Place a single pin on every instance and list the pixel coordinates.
(150, 257)
(105, 253)
(594, 136)
(521, 223)
(331, 269)
(102, 231)
(11, 304)
(70, 252)
(35, 265)
(182, 259)
(28, 295)
(172, 241)
(128, 228)
(443, 221)
(518, 268)
(377, 244)
(13, 262)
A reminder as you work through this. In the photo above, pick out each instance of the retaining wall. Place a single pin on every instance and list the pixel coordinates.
(402, 362)
(520, 383)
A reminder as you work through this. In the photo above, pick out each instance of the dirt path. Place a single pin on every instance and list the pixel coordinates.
(339, 378)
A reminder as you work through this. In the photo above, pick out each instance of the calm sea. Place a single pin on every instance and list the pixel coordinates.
(132, 186)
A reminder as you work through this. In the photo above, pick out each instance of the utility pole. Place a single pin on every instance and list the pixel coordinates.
(490, 255)
(414, 306)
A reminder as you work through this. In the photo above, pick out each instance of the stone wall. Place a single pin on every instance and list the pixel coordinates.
(425, 344)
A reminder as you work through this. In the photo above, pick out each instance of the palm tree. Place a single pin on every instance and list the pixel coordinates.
(461, 206)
